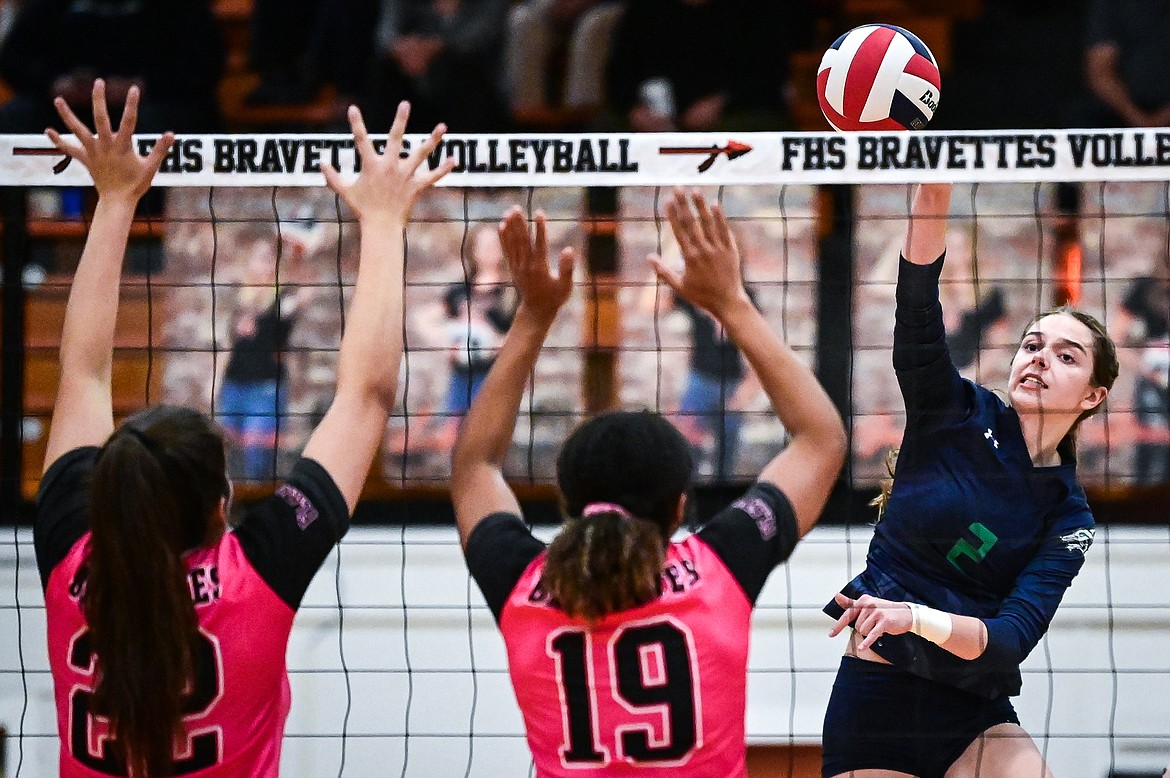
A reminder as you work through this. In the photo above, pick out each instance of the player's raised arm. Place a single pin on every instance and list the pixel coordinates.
(478, 488)
(382, 196)
(83, 413)
(926, 235)
(807, 468)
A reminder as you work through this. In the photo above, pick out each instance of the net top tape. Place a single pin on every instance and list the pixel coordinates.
(650, 159)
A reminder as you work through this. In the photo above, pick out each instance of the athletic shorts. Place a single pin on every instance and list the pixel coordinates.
(880, 717)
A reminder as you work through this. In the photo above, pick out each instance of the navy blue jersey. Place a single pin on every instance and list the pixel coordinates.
(971, 527)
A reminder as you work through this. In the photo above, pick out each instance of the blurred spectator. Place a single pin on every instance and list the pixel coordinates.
(718, 388)
(719, 385)
(967, 339)
(1122, 38)
(1146, 307)
(574, 34)
(1144, 323)
(1126, 62)
(253, 397)
(296, 45)
(705, 64)
(479, 312)
(1001, 56)
(443, 56)
(170, 48)
(1151, 405)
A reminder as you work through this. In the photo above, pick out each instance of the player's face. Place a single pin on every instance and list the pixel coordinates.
(1053, 368)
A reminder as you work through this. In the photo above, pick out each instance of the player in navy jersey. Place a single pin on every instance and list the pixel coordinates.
(982, 533)
(167, 635)
(627, 652)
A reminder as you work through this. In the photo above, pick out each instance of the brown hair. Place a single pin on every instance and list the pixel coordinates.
(887, 484)
(612, 561)
(157, 483)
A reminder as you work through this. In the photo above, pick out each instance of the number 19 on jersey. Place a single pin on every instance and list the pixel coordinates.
(651, 672)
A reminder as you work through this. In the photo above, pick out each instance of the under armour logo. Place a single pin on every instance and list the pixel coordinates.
(989, 435)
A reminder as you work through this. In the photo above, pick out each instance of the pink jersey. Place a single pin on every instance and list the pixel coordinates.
(644, 692)
(246, 589)
(245, 629)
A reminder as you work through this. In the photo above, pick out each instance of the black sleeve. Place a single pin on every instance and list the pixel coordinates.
(1025, 614)
(931, 385)
(287, 536)
(62, 499)
(498, 552)
(753, 535)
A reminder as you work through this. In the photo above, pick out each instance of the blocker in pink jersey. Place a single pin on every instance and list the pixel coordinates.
(245, 590)
(167, 633)
(877, 78)
(627, 650)
(654, 688)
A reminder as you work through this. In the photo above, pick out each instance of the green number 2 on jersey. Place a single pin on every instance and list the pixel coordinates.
(964, 547)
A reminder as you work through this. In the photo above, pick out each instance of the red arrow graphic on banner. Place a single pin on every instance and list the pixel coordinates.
(38, 152)
(734, 149)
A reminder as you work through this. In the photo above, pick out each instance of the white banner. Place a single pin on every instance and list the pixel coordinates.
(542, 160)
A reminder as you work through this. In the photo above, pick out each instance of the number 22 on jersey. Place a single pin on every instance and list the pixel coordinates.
(652, 674)
(203, 747)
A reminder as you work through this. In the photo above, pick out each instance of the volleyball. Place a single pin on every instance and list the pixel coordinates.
(877, 78)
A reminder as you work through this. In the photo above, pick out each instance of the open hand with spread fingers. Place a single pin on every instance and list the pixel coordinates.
(711, 277)
(541, 292)
(113, 162)
(388, 185)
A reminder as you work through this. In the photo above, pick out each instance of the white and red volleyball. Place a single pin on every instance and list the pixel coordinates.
(877, 78)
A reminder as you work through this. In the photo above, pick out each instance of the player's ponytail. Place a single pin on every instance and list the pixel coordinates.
(156, 486)
(887, 484)
(622, 476)
(604, 562)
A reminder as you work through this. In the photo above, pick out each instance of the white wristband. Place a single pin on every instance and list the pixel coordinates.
(929, 623)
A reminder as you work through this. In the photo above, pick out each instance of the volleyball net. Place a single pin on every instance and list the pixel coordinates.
(233, 303)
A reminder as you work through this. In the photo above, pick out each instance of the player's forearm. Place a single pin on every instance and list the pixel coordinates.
(793, 390)
(87, 337)
(926, 235)
(968, 638)
(372, 344)
(487, 430)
